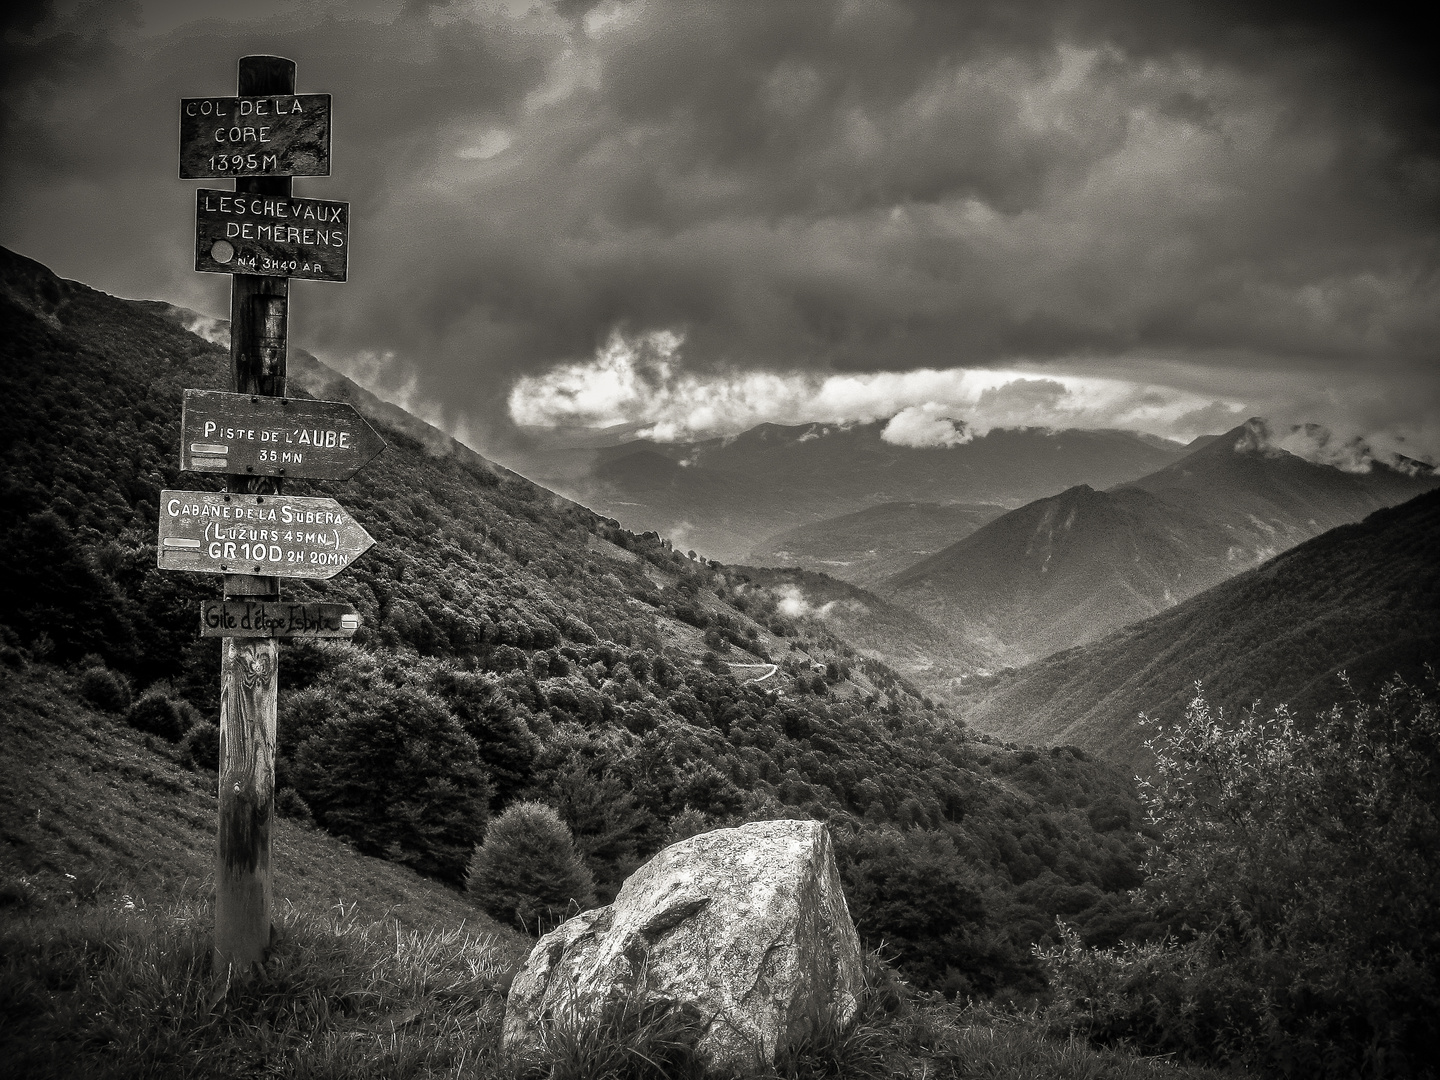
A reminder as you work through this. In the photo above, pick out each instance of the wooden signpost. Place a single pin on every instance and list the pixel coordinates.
(264, 436)
(252, 532)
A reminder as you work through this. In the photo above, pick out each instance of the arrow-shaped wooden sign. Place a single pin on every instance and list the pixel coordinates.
(218, 532)
(243, 434)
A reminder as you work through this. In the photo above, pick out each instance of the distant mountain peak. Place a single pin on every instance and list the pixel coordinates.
(1317, 445)
(1253, 437)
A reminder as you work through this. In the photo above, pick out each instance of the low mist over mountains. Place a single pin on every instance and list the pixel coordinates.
(1363, 599)
(727, 497)
(1066, 570)
(870, 545)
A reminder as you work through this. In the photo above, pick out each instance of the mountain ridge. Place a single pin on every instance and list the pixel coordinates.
(1065, 570)
(1363, 597)
(867, 546)
(728, 495)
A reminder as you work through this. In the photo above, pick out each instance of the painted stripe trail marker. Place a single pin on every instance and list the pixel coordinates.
(252, 532)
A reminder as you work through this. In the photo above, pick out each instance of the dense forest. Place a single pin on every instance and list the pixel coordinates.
(518, 646)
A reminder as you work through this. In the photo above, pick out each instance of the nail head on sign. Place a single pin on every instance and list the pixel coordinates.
(222, 251)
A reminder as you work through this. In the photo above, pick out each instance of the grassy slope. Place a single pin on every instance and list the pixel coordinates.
(107, 845)
(81, 794)
(105, 936)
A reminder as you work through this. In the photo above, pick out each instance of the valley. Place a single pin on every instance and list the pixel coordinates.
(964, 724)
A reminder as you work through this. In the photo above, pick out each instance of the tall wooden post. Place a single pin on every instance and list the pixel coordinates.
(249, 667)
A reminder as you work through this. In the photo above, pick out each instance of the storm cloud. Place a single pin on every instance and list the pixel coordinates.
(1160, 215)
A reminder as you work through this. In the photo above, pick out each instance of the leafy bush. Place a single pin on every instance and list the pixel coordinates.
(105, 689)
(527, 872)
(200, 748)
(157, 714)
(289, 804)
(400, 778)
(1304, 867)
(1163, 996)
(913, 891)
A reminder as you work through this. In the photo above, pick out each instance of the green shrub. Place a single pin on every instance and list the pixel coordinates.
(527, 872)
(156, 713)
(912, 891)
(289, 804)
(200, 747)
(400, 778)
(1302, 866)
(106, 689)
(1167, 997)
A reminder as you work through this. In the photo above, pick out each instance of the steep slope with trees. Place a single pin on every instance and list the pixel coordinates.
(1067, 570)
(1362, 598)
(518, 646)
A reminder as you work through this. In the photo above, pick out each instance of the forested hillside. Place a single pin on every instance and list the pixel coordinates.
(1363, 599)
(1066, 570)
(516, 645)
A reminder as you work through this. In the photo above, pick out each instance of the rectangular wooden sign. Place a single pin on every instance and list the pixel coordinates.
(219, 532)
(271, 235)
(276, 618)
(275, 135)
(265, 436)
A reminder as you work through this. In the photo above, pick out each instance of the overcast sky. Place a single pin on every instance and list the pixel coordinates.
(693, 217)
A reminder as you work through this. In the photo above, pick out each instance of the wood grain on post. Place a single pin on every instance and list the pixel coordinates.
(249, 667)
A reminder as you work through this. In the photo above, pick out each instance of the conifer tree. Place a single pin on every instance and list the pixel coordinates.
(527, 871)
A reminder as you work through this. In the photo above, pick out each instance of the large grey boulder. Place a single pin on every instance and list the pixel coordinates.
(747, 927)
